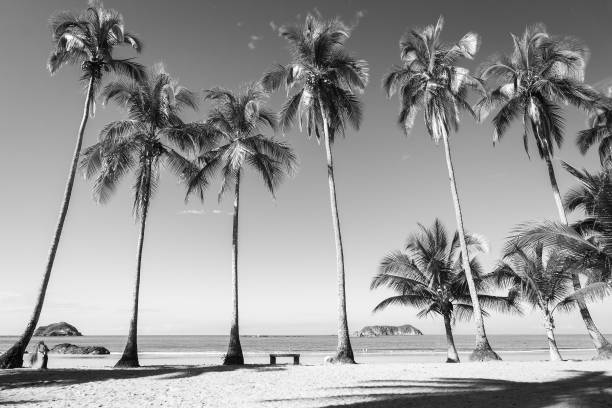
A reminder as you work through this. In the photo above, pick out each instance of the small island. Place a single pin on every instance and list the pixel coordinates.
(57, 329)
(375, 331)
(66, 348)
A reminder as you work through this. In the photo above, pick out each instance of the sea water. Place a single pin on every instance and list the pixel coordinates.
(197, 350)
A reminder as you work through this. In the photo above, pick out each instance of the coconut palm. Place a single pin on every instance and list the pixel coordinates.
(150, 136)
(236, 122)
(324, 79)
(599, 129)
(430, 79)
(594, 197)
(530, 84)
(542, 72)
(429, 276)
(542, 280)
(87, 39)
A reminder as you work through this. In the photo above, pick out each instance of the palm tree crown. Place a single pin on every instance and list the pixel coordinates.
(323, 76)
(540, 279)
(429, 275)
(542, 72)
(430, 79)
(599, 129)
(153, 132)
(235, 123)
(89, 39)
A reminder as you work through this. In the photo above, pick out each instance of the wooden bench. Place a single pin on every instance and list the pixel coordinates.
(274, 356)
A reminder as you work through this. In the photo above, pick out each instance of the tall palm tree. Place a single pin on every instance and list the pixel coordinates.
(542, 72)
(430, 79)
(236, 122)
(324, 79)
(148, 137)
(594, 197)
(429, 276)
(599, 129)
(87, 39)
(543, 281)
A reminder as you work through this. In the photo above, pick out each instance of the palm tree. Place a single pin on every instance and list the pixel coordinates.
(237, 120)
(324, 79)
(429, 79)
(594, 197)
(541, 281)
(87, 39)
(599, 129)
(429, 276)
(541, 73)
(140, 144)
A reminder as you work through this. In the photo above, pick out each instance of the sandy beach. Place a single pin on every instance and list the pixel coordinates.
(501, 384)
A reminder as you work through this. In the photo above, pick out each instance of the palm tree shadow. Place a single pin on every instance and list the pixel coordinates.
(583, 389)
(12, 379)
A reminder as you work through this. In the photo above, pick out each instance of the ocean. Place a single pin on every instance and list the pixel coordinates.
(197, 350)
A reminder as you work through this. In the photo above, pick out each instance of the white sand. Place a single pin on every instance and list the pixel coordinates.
(501, 384)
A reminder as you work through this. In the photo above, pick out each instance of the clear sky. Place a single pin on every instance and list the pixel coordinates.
(386, 182)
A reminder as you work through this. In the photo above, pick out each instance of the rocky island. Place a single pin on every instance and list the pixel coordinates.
(66, 348)
(375, 331)
(57, 329)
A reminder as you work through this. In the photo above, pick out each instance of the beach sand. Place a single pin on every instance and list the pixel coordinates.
(495, 384)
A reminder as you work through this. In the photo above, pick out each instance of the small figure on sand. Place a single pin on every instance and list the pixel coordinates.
(39, 358)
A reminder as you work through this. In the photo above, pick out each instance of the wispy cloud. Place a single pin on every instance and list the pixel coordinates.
(273, 26)
(9, 295)
(191, 212)
(239, 24)
(254, 39)
(359, 15)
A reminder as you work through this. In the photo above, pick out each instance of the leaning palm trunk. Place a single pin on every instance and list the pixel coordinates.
(344, 351)
(129, 359)
(602, 345)
(483, 350)
(234, 351)
(13, 357)
(552, 343)
(451, 356)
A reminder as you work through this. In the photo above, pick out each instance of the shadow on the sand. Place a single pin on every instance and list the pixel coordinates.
(582, 389)
(61, 377)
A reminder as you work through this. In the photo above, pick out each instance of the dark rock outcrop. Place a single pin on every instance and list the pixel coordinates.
(57, 329)
(375, 331)
(66, 348)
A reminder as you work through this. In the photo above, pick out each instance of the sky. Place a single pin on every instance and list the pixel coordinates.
(386, 182)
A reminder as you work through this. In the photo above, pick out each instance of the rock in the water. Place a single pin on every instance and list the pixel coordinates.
(66, 348)
(374, 331)
(57, 329)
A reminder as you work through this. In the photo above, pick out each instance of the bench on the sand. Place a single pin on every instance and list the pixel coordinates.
(296, 357)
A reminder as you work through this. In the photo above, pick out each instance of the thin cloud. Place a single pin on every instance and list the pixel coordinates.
(359, 15)
(239, 24)
(191, 212)
(273, 26)
(254, 39)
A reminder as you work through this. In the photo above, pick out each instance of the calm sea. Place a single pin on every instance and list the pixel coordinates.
(313, 349)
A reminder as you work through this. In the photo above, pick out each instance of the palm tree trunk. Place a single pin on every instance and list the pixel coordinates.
(602, 345)
(13, 357)
(483, 350)
(129, 359)
(234, 350)
(550, 334)
(344, 351)
(451, 355)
